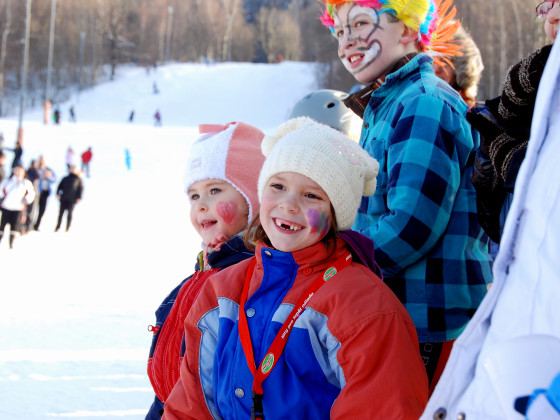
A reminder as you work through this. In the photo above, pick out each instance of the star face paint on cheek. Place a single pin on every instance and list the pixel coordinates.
(227, 211)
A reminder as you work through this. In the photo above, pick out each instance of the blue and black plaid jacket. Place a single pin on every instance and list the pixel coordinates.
(422, 217)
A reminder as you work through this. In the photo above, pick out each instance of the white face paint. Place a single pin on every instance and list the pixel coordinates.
(368, 40)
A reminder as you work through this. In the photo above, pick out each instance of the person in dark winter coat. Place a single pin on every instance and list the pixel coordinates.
(18, 153)
(56, 116)
(69, 192)
(504, 124)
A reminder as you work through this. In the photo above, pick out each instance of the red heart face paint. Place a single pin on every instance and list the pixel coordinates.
(217, 209)
(227, 211)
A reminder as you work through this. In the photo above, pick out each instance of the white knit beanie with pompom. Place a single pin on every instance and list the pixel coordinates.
(341, 167)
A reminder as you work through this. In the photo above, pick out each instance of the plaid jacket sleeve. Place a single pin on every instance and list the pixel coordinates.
(423, 175)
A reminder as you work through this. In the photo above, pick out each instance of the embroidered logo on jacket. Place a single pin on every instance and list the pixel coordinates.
(267, 363)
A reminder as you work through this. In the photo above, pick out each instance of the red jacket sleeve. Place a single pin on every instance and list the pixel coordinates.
(385, 377)
(186, 400)
(178, 406)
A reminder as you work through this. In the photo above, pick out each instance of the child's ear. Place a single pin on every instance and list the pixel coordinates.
(408, 35)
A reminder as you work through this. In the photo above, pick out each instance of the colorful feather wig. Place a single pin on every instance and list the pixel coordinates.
(433, 19)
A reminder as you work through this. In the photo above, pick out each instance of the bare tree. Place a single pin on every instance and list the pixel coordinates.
(243, 37)
(231, 7)
(279, 34)
(319, 45)
(113, 14)
(216, 19)
(519, 27)
(5, 34)
(505, 31)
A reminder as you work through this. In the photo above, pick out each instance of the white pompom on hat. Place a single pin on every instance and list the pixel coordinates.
(231, 153)
(341, 167)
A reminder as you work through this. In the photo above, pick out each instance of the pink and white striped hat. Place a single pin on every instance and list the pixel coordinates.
(231, 153)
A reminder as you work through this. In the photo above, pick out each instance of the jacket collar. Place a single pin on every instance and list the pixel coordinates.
(314, 257)
(231, 252)
(358, 101)
(362, 249)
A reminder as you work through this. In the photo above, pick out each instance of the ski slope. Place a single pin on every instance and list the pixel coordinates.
(75, 306)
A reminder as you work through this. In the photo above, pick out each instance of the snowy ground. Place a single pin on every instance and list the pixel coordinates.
(75, 307)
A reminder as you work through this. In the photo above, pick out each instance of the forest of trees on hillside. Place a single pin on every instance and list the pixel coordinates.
(93, 37)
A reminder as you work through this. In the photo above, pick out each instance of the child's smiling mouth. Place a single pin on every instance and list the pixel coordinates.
(206, 224)
(287, 226)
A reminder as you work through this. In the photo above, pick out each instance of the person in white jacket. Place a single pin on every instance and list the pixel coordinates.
(511, 347)
(15, 193)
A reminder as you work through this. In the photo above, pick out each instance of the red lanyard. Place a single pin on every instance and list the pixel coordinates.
(277, 346)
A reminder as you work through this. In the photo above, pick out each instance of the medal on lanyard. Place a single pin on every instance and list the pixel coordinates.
(277, 346)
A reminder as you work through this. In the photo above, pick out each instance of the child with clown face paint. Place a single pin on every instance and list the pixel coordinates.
(422, 217)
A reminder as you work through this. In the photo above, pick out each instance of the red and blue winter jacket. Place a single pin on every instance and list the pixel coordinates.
(352, 353)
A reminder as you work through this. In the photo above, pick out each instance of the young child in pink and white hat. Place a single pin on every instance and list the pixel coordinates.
(302, 330)
(221, 182)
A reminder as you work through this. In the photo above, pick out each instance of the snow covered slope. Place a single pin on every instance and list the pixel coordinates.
(75, 307)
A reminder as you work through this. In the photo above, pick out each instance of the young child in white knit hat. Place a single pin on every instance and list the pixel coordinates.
(301, 330)
(221, 182)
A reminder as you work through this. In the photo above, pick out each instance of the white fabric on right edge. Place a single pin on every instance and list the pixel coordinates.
(523, 304)
(541, 409)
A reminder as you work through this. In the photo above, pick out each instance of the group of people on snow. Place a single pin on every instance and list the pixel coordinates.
(157, 117)
(24, 194)
(57, 115)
